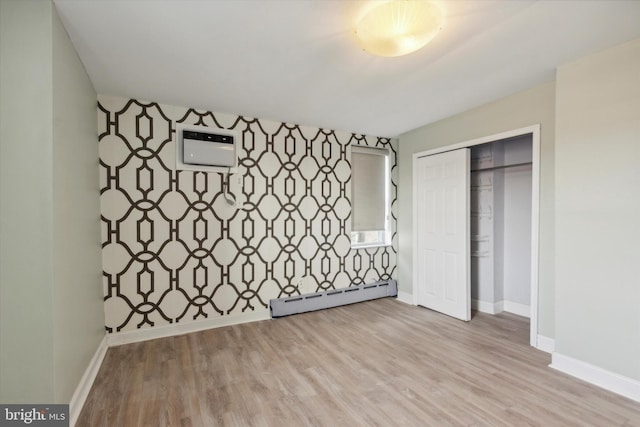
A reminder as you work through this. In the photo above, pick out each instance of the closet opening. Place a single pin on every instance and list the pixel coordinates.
(500, 225)
(481, 253)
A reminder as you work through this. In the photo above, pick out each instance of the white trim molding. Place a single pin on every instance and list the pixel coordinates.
(546, 344)
(607, 380)
(500, 306)
(84, 386)
(517, 308)
(405, 297)
(487, 307)
(139, 335)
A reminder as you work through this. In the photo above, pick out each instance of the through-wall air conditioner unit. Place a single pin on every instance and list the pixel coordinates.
(200, 148)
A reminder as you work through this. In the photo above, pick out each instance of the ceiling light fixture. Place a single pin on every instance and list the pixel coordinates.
(399, 27)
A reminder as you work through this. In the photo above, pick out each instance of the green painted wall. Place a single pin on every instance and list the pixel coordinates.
(51, 311)
(598, 210)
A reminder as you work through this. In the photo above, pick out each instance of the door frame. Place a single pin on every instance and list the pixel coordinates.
(534, 130)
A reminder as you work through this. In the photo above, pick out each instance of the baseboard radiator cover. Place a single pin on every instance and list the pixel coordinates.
(333, 298)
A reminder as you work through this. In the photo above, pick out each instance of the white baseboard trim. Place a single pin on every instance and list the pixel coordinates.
(517, 308)
(129, 337)
(607, 380)
(405, 297)
(500, 306)
(487, 307)
(84, 386)
(545, 344)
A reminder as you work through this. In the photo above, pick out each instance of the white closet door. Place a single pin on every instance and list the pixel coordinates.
(442, 258)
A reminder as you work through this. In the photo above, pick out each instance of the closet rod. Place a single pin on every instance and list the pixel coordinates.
(501, 167)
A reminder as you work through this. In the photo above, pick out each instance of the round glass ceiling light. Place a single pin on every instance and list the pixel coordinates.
(399, 27)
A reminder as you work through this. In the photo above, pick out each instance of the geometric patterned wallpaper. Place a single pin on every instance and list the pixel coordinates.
(174, 251)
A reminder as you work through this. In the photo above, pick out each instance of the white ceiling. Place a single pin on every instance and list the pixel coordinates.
(297, 62)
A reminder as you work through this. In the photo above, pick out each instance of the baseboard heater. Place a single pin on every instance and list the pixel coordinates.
(333, 298)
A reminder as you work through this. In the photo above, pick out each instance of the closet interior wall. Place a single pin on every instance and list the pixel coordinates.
(501, 225)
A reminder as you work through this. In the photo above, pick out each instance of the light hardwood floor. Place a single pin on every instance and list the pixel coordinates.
(375, 363)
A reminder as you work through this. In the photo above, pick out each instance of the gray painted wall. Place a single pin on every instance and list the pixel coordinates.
(516, 262)
(26, 141)
(536, 105)
(598, 207)
(51, 308)
(78, 325)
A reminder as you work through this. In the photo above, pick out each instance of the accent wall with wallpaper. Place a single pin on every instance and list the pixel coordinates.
(175, 251)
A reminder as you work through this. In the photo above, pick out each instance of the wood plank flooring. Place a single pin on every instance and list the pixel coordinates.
(378, 363)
